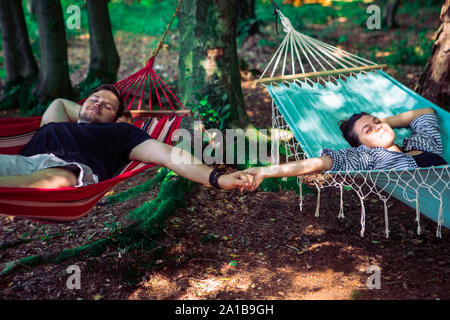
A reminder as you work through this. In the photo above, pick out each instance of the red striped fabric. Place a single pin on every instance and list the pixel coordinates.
(65, 204)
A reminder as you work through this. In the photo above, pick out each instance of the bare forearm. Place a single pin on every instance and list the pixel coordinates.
(176, 159)
(185, 164)
(298, 168)
(404, 119)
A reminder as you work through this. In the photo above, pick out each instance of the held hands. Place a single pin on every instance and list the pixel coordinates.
(237, 179)
(258, 177)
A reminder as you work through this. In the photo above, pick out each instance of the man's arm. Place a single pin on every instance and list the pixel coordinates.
(183, 163)
(61, 110)
(403, 120)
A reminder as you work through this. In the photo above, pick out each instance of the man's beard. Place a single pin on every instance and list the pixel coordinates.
(87, 117)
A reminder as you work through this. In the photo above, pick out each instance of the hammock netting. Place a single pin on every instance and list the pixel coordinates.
(313, 86)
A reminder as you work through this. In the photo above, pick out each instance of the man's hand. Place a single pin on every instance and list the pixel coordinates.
(258, 177)
(237, 179)
(122, 119)
(61, 110)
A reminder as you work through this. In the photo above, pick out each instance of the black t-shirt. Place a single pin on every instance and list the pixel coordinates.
(104, 147)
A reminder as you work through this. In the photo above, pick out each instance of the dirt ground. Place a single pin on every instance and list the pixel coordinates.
(232, 245)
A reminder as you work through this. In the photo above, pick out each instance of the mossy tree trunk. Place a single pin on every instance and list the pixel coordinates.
(208, 60)
(105, 60)
(434, 84)
(53, 81)
(19, 60)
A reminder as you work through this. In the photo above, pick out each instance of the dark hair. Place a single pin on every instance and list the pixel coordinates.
(346, 127)
(113, 89)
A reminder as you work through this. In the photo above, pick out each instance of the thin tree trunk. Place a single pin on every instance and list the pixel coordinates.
(208, 61)
(31, 7)
(19, 60)
(105, 60)
(434, 84)
(390, 12)
(246, 17)
(53, 81)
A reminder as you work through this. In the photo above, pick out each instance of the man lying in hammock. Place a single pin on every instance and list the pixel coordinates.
(373, 147)
(79, 145)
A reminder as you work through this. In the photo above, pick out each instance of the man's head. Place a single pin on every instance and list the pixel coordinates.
(365, 129)
(104, 104)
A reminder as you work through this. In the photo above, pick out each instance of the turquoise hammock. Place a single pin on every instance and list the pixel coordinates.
(311, 104)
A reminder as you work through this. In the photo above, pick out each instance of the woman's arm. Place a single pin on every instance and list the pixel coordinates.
(61, 110)
(403, 119)
(290, 169)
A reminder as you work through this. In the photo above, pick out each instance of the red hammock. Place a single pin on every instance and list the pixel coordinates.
(68, 204)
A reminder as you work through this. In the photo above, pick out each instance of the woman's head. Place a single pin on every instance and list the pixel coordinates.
(365, 129)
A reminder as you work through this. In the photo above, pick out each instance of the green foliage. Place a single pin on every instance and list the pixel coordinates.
(410, 52)
(84, 88)
(139, 189)
(147, 17)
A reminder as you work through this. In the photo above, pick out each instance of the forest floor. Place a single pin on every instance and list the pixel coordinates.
(233, 245)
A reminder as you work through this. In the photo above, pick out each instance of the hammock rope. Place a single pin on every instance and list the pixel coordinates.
(311, 55)
(299, 105)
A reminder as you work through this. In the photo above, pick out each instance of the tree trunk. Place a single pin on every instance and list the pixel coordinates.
(389, 13)
(434, 84)
(245, 9)
(105, 60)
(19, 60)
(208, 61)
(31, 7)
(53, 81)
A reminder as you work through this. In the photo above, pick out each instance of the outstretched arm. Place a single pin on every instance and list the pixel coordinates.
(403, 119)
(183, 163)
(61, 110)
(289, 169)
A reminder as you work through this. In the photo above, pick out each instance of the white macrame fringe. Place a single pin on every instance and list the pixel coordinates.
(300, 182)
(386, 218)
(440, 220)
(419, 229)
(363, 217)
(341, 207)
(318, 201)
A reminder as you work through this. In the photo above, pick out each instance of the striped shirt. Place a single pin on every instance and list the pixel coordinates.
(425, 136)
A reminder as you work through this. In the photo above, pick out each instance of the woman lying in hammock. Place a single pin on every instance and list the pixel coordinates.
(373, 148)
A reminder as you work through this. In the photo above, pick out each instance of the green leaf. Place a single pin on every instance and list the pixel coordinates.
(225, 109)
